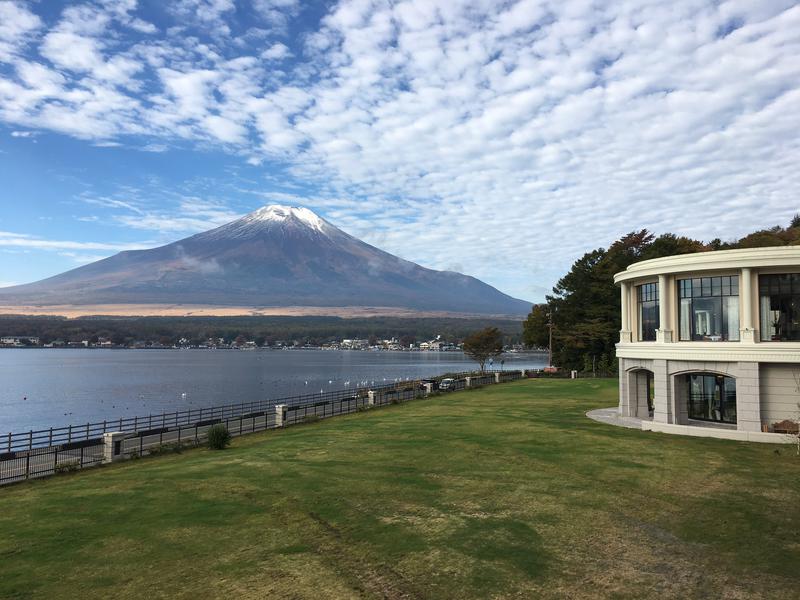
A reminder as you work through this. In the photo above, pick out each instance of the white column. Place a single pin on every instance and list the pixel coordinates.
(748, 400)
(279, 408)
(746, 332)
(625, 331)
(664, 333)
(112, 446)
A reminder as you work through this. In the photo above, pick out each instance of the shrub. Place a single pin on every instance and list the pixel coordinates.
(68, 466)
(218, 437)
(167, 449)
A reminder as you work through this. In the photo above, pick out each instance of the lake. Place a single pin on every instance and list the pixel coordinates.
(41, 388)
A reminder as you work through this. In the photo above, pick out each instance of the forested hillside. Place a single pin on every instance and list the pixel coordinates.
(585, 303)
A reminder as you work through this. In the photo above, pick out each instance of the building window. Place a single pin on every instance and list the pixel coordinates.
(711, 398)
(648, 311)
(709, 309)
(780, 306)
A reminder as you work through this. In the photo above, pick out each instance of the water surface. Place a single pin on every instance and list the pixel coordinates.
(41, 388)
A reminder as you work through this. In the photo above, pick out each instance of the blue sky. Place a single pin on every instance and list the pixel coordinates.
(500, 139)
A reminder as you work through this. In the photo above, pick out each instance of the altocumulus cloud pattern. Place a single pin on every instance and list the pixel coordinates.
(534, 130)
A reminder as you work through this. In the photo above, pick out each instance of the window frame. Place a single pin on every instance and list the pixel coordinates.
(785, 286)
(705, 288)
(648, 293)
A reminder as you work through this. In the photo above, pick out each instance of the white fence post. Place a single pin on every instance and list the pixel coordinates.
(371, 398)
(497, 377)
(428, 389)
(467, 381)
(279, 412)
(112, 446)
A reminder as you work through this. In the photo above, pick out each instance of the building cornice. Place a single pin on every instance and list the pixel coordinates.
(720, 260)
(766, 352)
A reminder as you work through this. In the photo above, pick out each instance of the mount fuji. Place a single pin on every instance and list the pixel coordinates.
(273, 257)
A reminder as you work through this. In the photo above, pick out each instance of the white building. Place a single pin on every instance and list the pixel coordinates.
(710, 342)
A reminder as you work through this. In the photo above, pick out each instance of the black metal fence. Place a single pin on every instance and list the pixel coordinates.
(48, 451)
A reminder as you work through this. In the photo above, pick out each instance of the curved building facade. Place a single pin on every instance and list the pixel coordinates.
(710, 343)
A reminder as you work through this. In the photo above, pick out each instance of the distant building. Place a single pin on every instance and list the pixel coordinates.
(19, 340)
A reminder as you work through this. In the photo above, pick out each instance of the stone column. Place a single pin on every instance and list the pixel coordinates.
(748, 402)
(497, 377)
(624, 399)
(664, 331)
(279, 413)
(663, 400)
(467, 381)
(641, 395)
(371, 398)
(428, 389)
(746, 331)
(112, 446)
(625, 331)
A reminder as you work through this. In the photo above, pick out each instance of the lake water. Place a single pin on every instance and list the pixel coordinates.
(41, 388)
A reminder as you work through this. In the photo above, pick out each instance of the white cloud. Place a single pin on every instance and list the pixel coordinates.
(276, 14)
(511, 139)
(277, 51)
(18, 240)
(17, 24)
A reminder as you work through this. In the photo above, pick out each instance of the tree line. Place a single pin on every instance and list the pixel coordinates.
(264, 330)
(584, 308)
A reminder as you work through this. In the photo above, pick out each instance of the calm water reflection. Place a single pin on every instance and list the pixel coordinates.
(40, 388)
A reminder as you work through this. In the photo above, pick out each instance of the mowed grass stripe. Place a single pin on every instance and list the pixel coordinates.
(507, 491)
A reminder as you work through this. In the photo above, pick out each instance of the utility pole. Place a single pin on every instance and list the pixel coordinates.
(550, 344)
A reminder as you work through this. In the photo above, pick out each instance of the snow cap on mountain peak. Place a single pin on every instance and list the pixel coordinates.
(279, 213)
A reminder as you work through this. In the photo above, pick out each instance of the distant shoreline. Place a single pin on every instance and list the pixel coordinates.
(72, 311)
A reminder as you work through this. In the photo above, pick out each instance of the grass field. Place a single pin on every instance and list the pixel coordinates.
(504, 492)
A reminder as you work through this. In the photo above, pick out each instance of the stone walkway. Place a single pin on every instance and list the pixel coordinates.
(611, 417)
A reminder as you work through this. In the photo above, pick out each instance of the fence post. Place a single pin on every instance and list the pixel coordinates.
(279, 414)
(428, 389)
(371, 398)
(467, 381)
(497, 377)
(112, 446)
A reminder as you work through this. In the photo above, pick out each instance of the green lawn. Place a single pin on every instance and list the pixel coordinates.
(504, 492)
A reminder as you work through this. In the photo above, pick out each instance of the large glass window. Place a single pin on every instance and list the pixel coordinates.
(780, 306)
(648, 311)
(711, 398)
(709, 309)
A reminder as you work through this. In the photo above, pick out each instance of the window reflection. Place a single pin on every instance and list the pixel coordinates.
(647, 295)
(709, 309)
(711, 398)
(779, 306)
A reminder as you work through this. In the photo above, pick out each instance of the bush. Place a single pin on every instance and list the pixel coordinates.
(68, 466)
(218, 437)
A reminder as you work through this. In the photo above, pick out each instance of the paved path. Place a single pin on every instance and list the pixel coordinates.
(611, 417)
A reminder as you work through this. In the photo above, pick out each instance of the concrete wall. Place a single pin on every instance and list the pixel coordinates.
(671, 395)
(779, 392)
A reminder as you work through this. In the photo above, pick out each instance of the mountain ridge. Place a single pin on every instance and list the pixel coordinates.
(274, 256)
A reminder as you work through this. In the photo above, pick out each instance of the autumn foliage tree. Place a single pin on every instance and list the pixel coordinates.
(484, 344)
(585, 303)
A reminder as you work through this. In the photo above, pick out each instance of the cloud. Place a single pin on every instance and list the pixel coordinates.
(277, 51)
(18, 240)
(509, 137)
(17, 26)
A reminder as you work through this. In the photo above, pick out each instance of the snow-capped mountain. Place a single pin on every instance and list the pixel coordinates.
(275, 256)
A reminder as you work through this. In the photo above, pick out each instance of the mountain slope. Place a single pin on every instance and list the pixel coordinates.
(275, 256)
